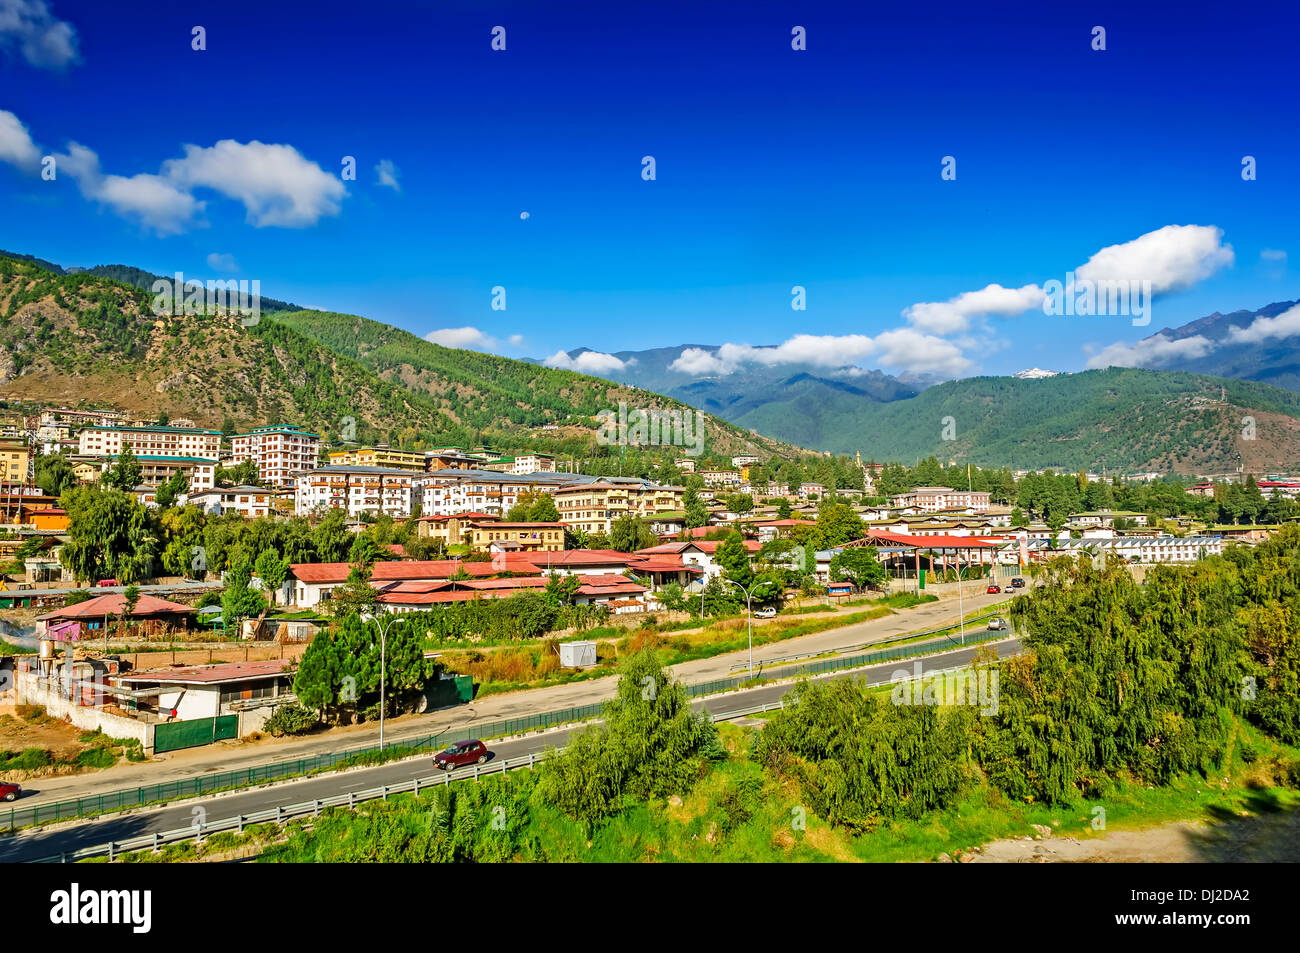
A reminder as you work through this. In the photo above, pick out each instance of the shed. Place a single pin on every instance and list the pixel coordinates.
(577, 654)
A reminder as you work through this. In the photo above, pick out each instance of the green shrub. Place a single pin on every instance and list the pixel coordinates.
(290, 720)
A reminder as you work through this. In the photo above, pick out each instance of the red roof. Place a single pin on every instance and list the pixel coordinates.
(115, 604)
(940, 542)
(221, 672)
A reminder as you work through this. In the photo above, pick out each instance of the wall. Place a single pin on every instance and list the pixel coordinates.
(31, 691)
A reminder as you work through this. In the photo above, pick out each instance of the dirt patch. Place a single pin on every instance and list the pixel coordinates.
(1268, 838)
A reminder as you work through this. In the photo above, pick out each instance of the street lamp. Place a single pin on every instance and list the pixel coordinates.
(383, 646)
(749, 617)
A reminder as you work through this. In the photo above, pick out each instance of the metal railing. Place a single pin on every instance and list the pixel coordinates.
(281, 813)
(302, 767)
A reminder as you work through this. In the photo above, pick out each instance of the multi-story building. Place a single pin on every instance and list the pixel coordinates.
(721, 478)
(357, 490)
(378, 456)
(451, 492)
(82, 418)
(744, 460)
(154, 441)
(595, 507)
(685, 464)
(279, 452)
(156, 470)
(932, 499)
(523, 463)
(249, 501)
(15, 461)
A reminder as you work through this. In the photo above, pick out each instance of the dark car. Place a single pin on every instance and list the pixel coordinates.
(994, 587)
(11, 792)
(461, 753)
(1017, 583)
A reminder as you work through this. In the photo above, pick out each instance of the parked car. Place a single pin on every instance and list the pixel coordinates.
(11, 792)
(993, 587)
(997, 624)
(767, 612)
(461, 753)
(107, 582)
(1017, 583)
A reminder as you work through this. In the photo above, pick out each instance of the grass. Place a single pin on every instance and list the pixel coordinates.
(738, 812)
(8, 648)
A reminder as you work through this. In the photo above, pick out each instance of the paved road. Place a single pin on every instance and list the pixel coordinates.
(182, 765)
(44, 843)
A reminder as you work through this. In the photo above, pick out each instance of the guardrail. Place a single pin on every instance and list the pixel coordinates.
(905, 637)
(301, 767)
(281, 813)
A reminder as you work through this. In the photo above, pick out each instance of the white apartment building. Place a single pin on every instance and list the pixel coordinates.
(523, 464)
(744, 460)
(721, 478)
(451, 492)
(932, 499)
(279, 452)
(1147, 549)
(249, 501)
(156, 470)
(152, 441)
(357, 490)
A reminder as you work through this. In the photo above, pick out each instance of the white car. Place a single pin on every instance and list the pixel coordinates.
(997, 623)
(767, 612)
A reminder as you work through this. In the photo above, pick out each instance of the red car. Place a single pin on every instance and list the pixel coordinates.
(994, 588)
(461, 753)
(11, 792)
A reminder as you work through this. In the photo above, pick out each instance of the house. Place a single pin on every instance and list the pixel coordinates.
(15, 460)
(769, 530)
(595, 507)
(809, 490)
(697, 554)
(150, 613)
(249, 689)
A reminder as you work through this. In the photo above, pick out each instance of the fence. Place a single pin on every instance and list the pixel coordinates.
(301, 767)
(351, 799)
(194, 732)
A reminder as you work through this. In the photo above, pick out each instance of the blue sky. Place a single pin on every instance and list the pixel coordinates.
(774, 167)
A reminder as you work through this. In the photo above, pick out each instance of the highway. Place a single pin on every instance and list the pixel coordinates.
(39, 843)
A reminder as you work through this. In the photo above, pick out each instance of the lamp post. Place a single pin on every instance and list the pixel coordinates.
(383, 653)
(749, 617)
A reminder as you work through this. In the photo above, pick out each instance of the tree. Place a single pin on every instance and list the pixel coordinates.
(240, 600)
(733, 556)
(110, 535)
(331, 538)
(272, 569)
(783, 511)
(630, 533)
(837, 524)
(125, 474)
(650, 744)
(857, 565)
(54, 474)
(243, 473)
(356, 596)
(166, 493)
(130, 598)
(697, 514)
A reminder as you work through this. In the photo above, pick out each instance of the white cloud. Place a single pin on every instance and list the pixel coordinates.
(1152, 352)
(150, 199)
(16, 146)
(222, 262)
(387, 174)
(516, 340)
(1285, 325)
(955, 314)
(278, 186)
(1272, 254)
(1171, 258)
(467, 337)
(900, 348)
(41, 39)
(588, 362)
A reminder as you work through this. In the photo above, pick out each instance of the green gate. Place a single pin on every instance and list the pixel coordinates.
(194, 732)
